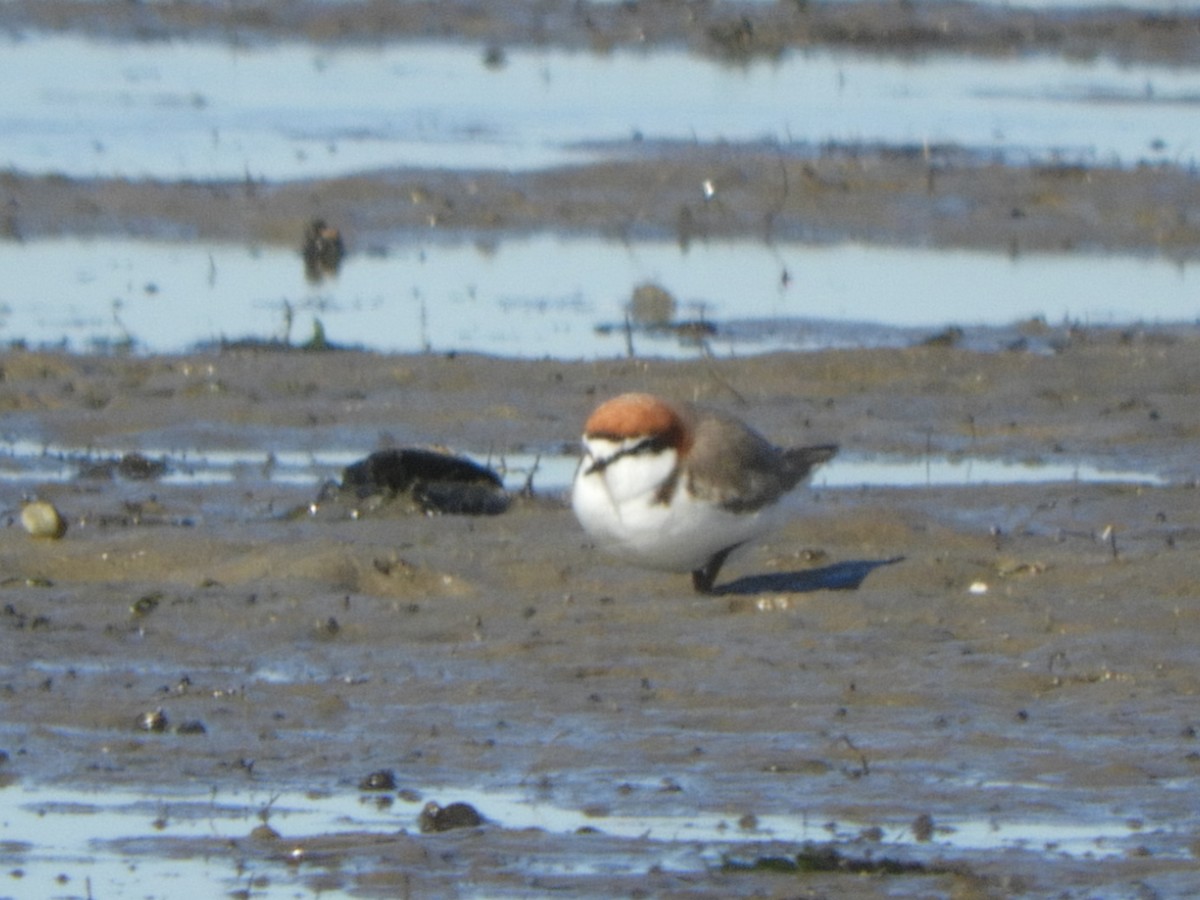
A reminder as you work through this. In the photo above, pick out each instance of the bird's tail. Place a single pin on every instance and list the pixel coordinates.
(802, 460)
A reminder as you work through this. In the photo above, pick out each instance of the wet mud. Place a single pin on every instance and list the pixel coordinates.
(729, 31)
(916, 196)
(897, 663)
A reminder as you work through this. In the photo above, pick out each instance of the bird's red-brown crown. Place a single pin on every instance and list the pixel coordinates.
(637, 415)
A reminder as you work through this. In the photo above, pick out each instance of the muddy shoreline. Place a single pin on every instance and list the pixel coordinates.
(734, 32)
(1104, 396)
(949, 653)
(941, 198)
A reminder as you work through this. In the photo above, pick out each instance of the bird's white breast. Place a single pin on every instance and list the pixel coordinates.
(622, 505)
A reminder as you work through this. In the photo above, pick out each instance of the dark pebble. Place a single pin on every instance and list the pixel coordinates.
(383, 780)
(435, 818)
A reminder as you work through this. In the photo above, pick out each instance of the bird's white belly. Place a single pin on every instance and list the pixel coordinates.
(679, 535)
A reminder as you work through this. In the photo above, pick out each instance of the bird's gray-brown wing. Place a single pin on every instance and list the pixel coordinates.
(757, 472)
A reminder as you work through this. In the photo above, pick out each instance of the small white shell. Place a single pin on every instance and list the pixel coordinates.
(42, 520)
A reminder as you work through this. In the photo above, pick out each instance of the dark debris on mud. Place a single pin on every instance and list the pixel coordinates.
(434, 481)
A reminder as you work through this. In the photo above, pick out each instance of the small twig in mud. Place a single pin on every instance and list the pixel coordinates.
(289, 315)
(426, 344)
(264, 814)
(126, 339)
(1109, 536)
(527, 488)
(782, 196)
(928, 457)
(719, 378)
(707, 354)
(864, 768)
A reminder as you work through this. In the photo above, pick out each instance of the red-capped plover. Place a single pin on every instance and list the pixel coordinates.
(670, 486)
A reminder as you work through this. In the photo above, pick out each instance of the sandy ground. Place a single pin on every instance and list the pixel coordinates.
(848, 671)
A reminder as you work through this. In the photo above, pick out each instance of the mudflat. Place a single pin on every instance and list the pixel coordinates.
(914, 690)
(899, 663)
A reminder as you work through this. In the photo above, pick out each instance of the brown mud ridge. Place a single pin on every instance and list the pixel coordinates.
(898, 661)
(934, 197)
(731, 31)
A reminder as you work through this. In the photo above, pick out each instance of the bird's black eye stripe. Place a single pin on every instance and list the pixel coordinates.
(646, 445)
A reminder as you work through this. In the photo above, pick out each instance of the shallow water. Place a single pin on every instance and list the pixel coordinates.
(561, 297)
(29, 462)
(154, 844)
(197, 110)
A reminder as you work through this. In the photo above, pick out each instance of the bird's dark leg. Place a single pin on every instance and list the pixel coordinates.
(703, 578)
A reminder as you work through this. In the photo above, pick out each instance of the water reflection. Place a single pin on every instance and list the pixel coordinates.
(124, 842)
(561, 297)
(179, 110)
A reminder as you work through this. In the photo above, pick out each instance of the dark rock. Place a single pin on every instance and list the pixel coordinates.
(136, 467)
(383, 780)
(434, 818)
(437, 482)
(154, 721)
(948, 337)
(133, 466)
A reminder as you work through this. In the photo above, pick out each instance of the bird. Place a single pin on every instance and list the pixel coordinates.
(675, 487)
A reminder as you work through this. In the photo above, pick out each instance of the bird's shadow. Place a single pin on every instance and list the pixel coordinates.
(843, 576)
